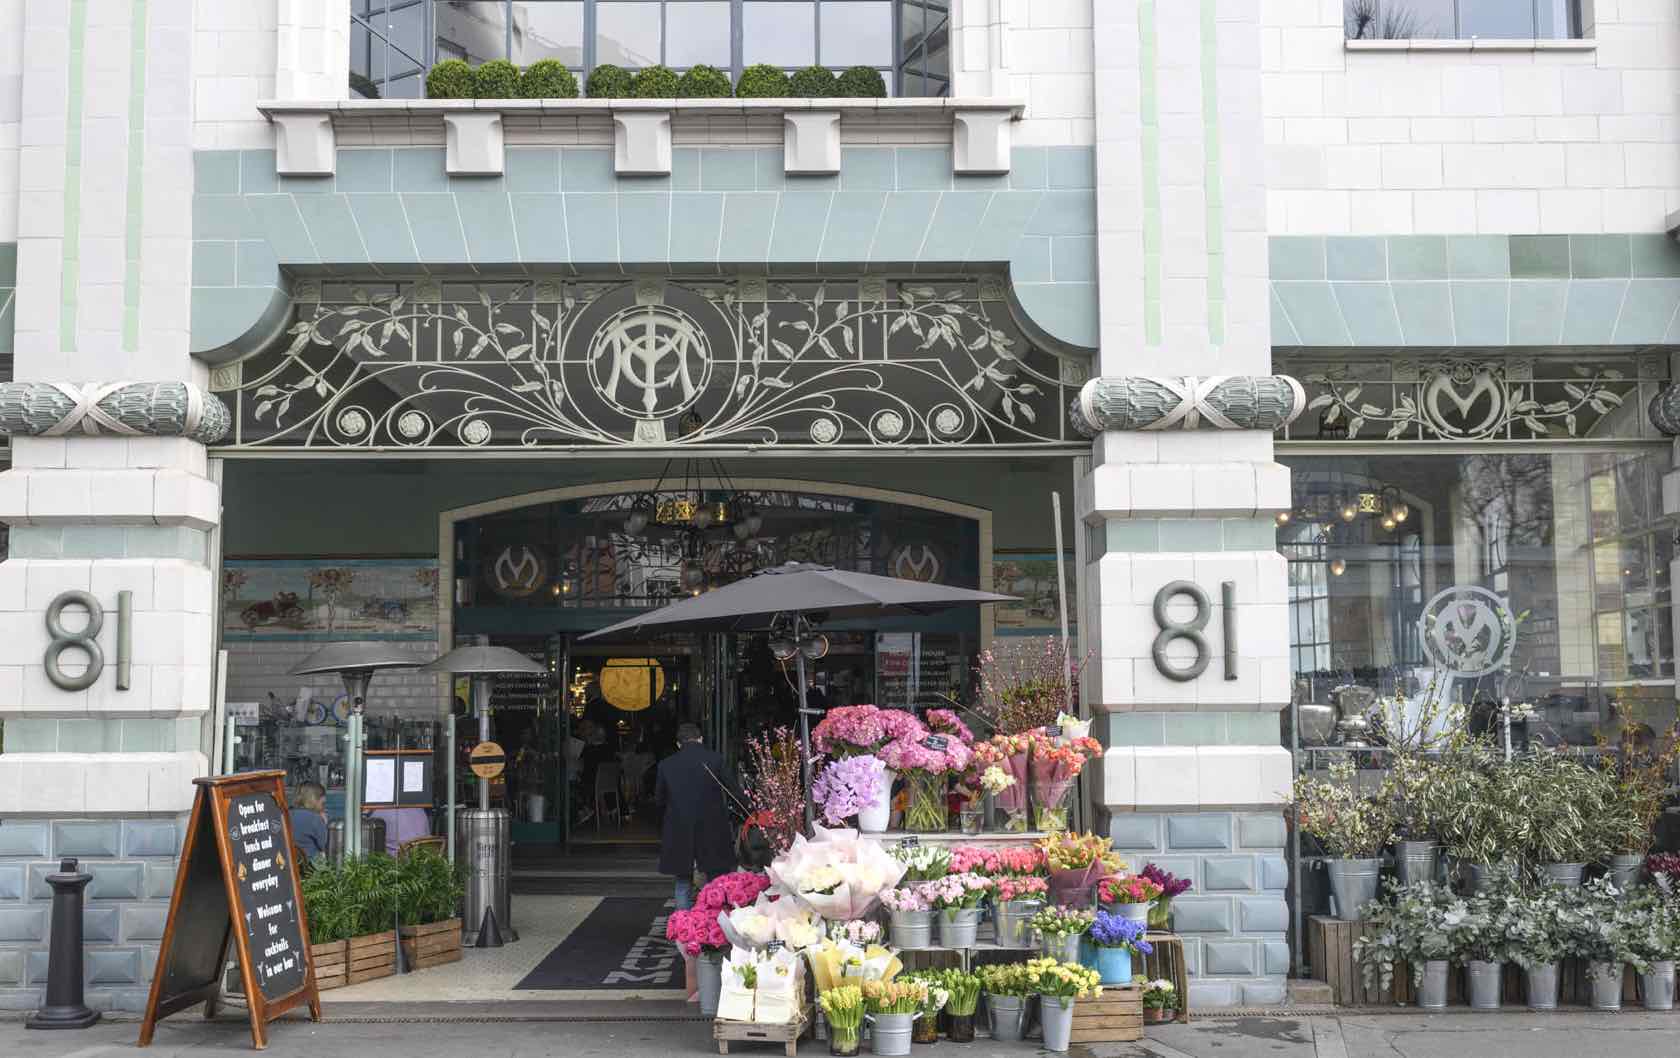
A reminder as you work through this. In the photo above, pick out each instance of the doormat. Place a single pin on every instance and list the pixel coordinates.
(621, 945)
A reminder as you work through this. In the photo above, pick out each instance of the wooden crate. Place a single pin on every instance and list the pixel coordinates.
(331, 962)
(1167, 961)
(1115, 1018)
(433, 944)
(727, 1032)
(372, 956)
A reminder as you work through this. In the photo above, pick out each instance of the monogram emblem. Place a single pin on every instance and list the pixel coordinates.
(517, 571)
(919, 562)
(1468, 631)
(1463, 388)
(650, 361)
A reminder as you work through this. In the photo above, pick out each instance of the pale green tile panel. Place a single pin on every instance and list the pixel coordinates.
(213, 264)
(148, 736)
(540, 223)
(1296, 257)
(365, 169)
(999, 237)
(1135, 729)
(220, 315)
(1254, 729)
(1417, 257)
(1590, 315)
(955, 221)
(223, 217)
(36, 541)
(1283, 332)
(1071, 167)
(1066, 310)
(586, 169)
(532, 170)
(216, 172)
(770, 173)
(852, 220)
(1537, 311)
(1032, 260)
(1194, 729)
(1481, 312)
(748, 218)
(1599, 257)
(8, 264)
(279, 220)
(256, 173)
(1368, 311)
(924, 168)
(1132, 534)
(1539, 256)
(800, 223)
(1425, 313)
(384, 228)
(487, 220)
(728, 169)
(1029, 168)
(1479, 256)
(644, 228)
(696, 219)
(1065, 213)
(94, 541)
(89, 736)
(331, 228)
(1654, 256)
(685, 169)
(1356, 257)
(868, 169)
(1647, 311)
(1191, 534)
(1250, 534)
(904, 222)
(162, 541)
(255, 265)
(1313, 313)
(1074, 258)
(31, 736)
(591, 224)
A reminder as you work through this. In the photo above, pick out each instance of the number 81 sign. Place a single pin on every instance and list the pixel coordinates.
(86, 640)
(1192, 630)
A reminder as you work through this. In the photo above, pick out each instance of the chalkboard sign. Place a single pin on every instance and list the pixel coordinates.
(397, 778)
(237, 884)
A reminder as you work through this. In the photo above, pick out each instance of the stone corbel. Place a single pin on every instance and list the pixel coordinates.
(1224, 402)
(472, 143)
(304, 144)
(811, 142)
(112, 409)
(980, 140)
(642, 142)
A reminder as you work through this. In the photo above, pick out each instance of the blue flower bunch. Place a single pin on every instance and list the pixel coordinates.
(1112, 930)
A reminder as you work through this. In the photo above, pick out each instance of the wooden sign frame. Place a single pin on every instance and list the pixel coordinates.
(210, 808)
(420, 799)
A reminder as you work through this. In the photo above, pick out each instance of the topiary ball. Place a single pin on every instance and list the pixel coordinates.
(762, 82)
(704, 82)
(815, 82)
(548, 79)
(450, 79)
(608, 82)
(496, 79)
(655, 82)
(862, 82)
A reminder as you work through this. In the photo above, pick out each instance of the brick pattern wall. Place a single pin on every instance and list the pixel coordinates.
(255, 669)
(127, 904)
(1235, 918)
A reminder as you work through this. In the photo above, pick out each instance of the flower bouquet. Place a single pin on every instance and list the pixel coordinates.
(698, 929)
(1019, 861)
(1171, 886)
(859, 931)
(842, 1007)
(927, 762)
(854, 786)
(1011, 888)
(1129, 897)
(1075, 862)
(836, 874)
(855, 730)
(1160, 1001)
(1116, 939)
(923, 862)
(894, 997)
(1059, 930)
(1055, 765)
(1007, 986)
(962, 990)
(834, 963)
(926, 1028)
(958, 896)
(1008, 759)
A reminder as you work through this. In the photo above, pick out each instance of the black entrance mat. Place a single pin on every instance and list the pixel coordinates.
(621, 945)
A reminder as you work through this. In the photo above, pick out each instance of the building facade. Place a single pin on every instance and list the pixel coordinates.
(1324, 315)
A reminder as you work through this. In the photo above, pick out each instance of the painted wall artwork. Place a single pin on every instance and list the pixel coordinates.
(301, 599)
(1031, 576)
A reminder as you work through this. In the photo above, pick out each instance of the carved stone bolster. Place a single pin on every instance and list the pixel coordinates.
(1224, 402)
(113, 409)
(1664, 410)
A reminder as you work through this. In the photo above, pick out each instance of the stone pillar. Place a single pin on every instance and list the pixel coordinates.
(108, 492)
(1183, 489)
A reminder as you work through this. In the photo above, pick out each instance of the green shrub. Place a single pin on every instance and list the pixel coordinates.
(428, 887)
(815, 82)
(862, 82)
(450, 79)
(655, 82)
(497, 79)
(762, 82)
(547, 79)
(607, 81)
(704, 82)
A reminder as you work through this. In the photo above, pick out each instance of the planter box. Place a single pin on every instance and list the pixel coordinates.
(433, 944)
(784, 1036)
(1167, 962)
(372, 956)
(1117, 1017)
(331, 962)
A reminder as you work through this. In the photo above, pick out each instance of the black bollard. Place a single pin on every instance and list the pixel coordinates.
(63, 1008)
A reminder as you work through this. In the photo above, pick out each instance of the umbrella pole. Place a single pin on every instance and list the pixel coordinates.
(804, 741)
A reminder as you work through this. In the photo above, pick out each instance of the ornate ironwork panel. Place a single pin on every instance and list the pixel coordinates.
(860, 362)
(1476, 398)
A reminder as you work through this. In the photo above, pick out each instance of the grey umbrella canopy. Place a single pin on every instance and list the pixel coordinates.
(346, 657)
(798, 588)
(468, 660)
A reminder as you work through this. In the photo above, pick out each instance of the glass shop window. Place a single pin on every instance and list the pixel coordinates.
(1462, 19)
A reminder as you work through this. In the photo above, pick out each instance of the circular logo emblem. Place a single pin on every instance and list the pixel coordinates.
(488, 760)
(918, 562)
(650, 361)
(517, 571)
(1468, 631)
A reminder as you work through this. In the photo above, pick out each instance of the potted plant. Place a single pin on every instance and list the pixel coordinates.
(1563, 813)
(890, 1007)
(1129, 897)
(1600, 929)
(1412, 786)
(332, 919)
(1640, 782)
(1653, 935)
(1058, 985)
(963, 996)
(1419, 924)
(1007, 986)
(842, 1008)
(1116, 938)
(1172, 886)
(429, 892)
(1485, 945)
(1539, 942)
(912, 916)
(1059, 930)
(1160, 1002)
(1353, 829)
(957, 899)
(855, 786)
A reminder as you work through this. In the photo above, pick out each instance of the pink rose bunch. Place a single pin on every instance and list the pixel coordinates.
(1012, 860)
(727, 892)
(947, 722)
(695, 929)
(1021, 888)
(1134, 890)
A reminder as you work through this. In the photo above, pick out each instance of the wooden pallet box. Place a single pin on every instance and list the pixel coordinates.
(372, 956)
(1116, 1017)
(433, 944)
(331, 962)
(1167, 962)
(785, 1036)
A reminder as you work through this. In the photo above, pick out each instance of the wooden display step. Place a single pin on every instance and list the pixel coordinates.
(1117, 1017)
(331, 962)
(787, 1036)
(434, 944)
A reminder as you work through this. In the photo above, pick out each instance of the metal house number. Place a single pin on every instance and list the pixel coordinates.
(1192, 630)
(86, 640)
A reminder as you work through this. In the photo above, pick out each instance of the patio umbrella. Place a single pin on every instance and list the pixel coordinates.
(794, 597)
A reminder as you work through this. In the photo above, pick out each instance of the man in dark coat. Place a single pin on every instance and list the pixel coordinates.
(697, 831)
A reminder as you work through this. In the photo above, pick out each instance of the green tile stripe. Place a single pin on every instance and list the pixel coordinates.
(1130, 535)
(1215, 728)
(71, 251)
(1212, 185)
(136, 180)
(1150, 149)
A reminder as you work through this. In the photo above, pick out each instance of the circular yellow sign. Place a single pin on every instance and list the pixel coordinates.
(632, 684)
(488, 760)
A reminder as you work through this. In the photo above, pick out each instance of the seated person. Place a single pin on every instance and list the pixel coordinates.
(402, 824)
(309, 819)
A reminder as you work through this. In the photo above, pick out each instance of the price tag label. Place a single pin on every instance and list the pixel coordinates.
(909, 843)
(937, 743)
(773, 947)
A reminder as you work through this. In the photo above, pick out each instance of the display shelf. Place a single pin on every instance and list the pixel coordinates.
(952, 837)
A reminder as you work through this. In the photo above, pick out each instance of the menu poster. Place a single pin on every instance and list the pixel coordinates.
(398, 778)
(236, 884)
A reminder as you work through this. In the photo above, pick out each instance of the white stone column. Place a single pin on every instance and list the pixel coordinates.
(1184, 489)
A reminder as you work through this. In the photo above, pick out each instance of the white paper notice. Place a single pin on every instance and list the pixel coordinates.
(414, 776)
(381, 781)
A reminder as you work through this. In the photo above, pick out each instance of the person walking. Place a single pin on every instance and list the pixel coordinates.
(696, 834)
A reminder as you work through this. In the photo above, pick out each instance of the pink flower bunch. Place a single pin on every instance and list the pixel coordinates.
(1009, 860)
(947, 722)
(956, 890)
(1133, 890)
(847, 787)
(729, 891)
(1021, 888)
(853, 730)
(908, 898)
(695, 929)
(899, 723)
(910, 754)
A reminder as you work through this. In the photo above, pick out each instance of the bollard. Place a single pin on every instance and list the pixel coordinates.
(63, 1007)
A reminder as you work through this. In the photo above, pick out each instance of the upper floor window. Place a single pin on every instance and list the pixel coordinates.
(1462, 19)
(394, 42)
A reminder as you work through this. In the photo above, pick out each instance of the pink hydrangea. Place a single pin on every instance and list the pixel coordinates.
(947, 722)
(898, 723)
(911, 754)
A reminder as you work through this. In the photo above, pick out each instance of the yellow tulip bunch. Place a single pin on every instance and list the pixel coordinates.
(895, 997)
(1064, 980)
(843, 1007)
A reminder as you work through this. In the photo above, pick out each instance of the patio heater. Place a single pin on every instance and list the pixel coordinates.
(485, 830)
(355, 664)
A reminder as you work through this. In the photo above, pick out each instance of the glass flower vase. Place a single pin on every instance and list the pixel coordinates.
(926, 811)
(1050, 803)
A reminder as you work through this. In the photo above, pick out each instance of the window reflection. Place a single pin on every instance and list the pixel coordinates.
(782, 34)
(474, 30)
(697, 32)
(627, 34)
(1463, 19)
(857, 34)
(548, 31)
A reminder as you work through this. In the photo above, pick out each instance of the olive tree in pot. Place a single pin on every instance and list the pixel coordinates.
(1639, 775)
(1353, 828)
(1561, 813)
(1474, 826)
(1411, 787)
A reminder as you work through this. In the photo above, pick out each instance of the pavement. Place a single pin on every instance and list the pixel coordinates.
(635, 1029)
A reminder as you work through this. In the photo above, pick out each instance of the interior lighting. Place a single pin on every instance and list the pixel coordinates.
(814, 646)
(1338, 566)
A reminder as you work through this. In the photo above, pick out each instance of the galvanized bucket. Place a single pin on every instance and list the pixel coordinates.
(1008, 1016)
(1055, 1015)
(1134, 912)
(1012, 918)
(1432, 994)
(890, 1033)
(1064, 948)
(912, 929)
(1657, 986)
(1486, 984)
(1353, 884)
(708, 972)
(1563, 873)
(1542, 984)
(1625, 871)
(1414, 861)
(1482, 875)
(1606, 981)
(958, 929)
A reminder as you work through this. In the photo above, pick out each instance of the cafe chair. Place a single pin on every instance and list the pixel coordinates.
(606, 785)
(432, 842)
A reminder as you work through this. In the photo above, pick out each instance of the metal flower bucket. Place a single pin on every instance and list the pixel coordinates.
(1486, 984)
(1542, 984)
(1656, 985)
(889, 1034)
(1563, 873)
(1606, 981)
(1008, 1015)
(1012, 918)
(1432, 994)
(1353, 884)
(959, 929)
(912, 929)
(1414, 861)
(1064, 948)
(1055, 1015)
